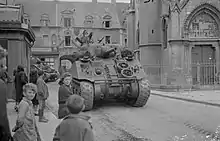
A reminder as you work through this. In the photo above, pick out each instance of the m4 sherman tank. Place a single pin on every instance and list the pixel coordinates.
(106, 72)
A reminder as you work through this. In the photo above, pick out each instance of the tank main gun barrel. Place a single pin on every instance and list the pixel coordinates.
(106, 54)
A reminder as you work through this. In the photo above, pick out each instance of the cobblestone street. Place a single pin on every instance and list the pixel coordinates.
(160, 120)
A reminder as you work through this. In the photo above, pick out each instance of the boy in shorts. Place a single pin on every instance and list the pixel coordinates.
(75, 126)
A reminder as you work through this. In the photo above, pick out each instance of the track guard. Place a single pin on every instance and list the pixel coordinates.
(143, 96)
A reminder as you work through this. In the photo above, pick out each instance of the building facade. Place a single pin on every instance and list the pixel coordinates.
(58, 24)
(17, 37)
(179, 41)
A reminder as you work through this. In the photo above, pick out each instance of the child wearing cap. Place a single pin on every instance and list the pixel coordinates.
(75, 126)
(26, 127)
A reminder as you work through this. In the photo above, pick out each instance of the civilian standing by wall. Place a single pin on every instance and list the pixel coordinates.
(20, 80)
(5, 133)
(33, 79)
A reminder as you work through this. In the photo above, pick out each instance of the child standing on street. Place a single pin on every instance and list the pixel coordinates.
(42, 95)
(75, 126)
(26, 128)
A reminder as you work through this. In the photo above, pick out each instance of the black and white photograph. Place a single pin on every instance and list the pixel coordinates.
(109, 70)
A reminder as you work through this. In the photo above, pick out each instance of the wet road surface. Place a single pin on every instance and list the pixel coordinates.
(160, 120)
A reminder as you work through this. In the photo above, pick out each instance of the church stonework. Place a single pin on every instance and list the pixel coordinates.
(194, 42)
(191, 56)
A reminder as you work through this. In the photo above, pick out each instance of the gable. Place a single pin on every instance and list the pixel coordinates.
(183, 3)
(89, 17)
(107, 17)
(68, 12)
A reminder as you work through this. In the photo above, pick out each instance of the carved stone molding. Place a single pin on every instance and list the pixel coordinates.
(205, 8)
(179, 41)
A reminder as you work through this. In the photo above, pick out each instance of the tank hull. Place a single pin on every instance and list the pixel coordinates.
(134, 92)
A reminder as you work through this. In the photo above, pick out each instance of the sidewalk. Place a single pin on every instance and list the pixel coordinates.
(46, 129)
(203, 97)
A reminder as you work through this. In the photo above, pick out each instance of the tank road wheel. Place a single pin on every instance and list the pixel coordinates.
(143, 96)
(87, 92)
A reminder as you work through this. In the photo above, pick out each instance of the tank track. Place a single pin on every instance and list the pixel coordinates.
(144, 94)
(87, 92)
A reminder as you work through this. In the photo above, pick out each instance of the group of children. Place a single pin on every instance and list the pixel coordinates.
(73, 127)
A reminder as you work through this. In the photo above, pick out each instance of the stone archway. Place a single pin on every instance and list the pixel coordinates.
(210, 12)
(202, 29)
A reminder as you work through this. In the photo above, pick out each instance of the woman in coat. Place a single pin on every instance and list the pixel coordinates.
(65, 90)
(33, 79)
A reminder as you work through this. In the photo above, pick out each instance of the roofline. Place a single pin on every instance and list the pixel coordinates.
(9, 6)
(57, 1)
(44, 53)
(39, 26)
(17, 26)
(54, 26)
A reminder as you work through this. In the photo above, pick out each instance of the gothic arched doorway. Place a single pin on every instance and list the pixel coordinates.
(202, 29)
(203, 64)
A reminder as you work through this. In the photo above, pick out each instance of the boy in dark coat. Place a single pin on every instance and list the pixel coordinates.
(74, 127)
(42, 96)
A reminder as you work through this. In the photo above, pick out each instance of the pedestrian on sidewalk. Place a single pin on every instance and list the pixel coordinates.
(65, 90)
(20, 80)
(42, 96)
(33, 79)
(75, 126)
(26, 128)
(5, 133)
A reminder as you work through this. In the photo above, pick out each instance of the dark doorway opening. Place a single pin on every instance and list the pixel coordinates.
(203, 64)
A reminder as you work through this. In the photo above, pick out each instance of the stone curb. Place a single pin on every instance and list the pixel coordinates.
(188, 100)
(51, 109)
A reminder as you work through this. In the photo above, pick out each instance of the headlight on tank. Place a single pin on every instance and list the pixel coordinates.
(145, 83)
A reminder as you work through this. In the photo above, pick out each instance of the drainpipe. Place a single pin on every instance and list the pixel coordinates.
(56, 11)
(131, 26)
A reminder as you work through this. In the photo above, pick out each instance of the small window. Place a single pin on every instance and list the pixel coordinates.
(107, 24)
(67, 22)
(164, 29)
(125, 41)
(25, 21)
(45, 22)
(44, 19)
(54, 39)
(67, 40)
(26, 18)
(88, 23)
(49, 61)
(107, 39)
(46, 40)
